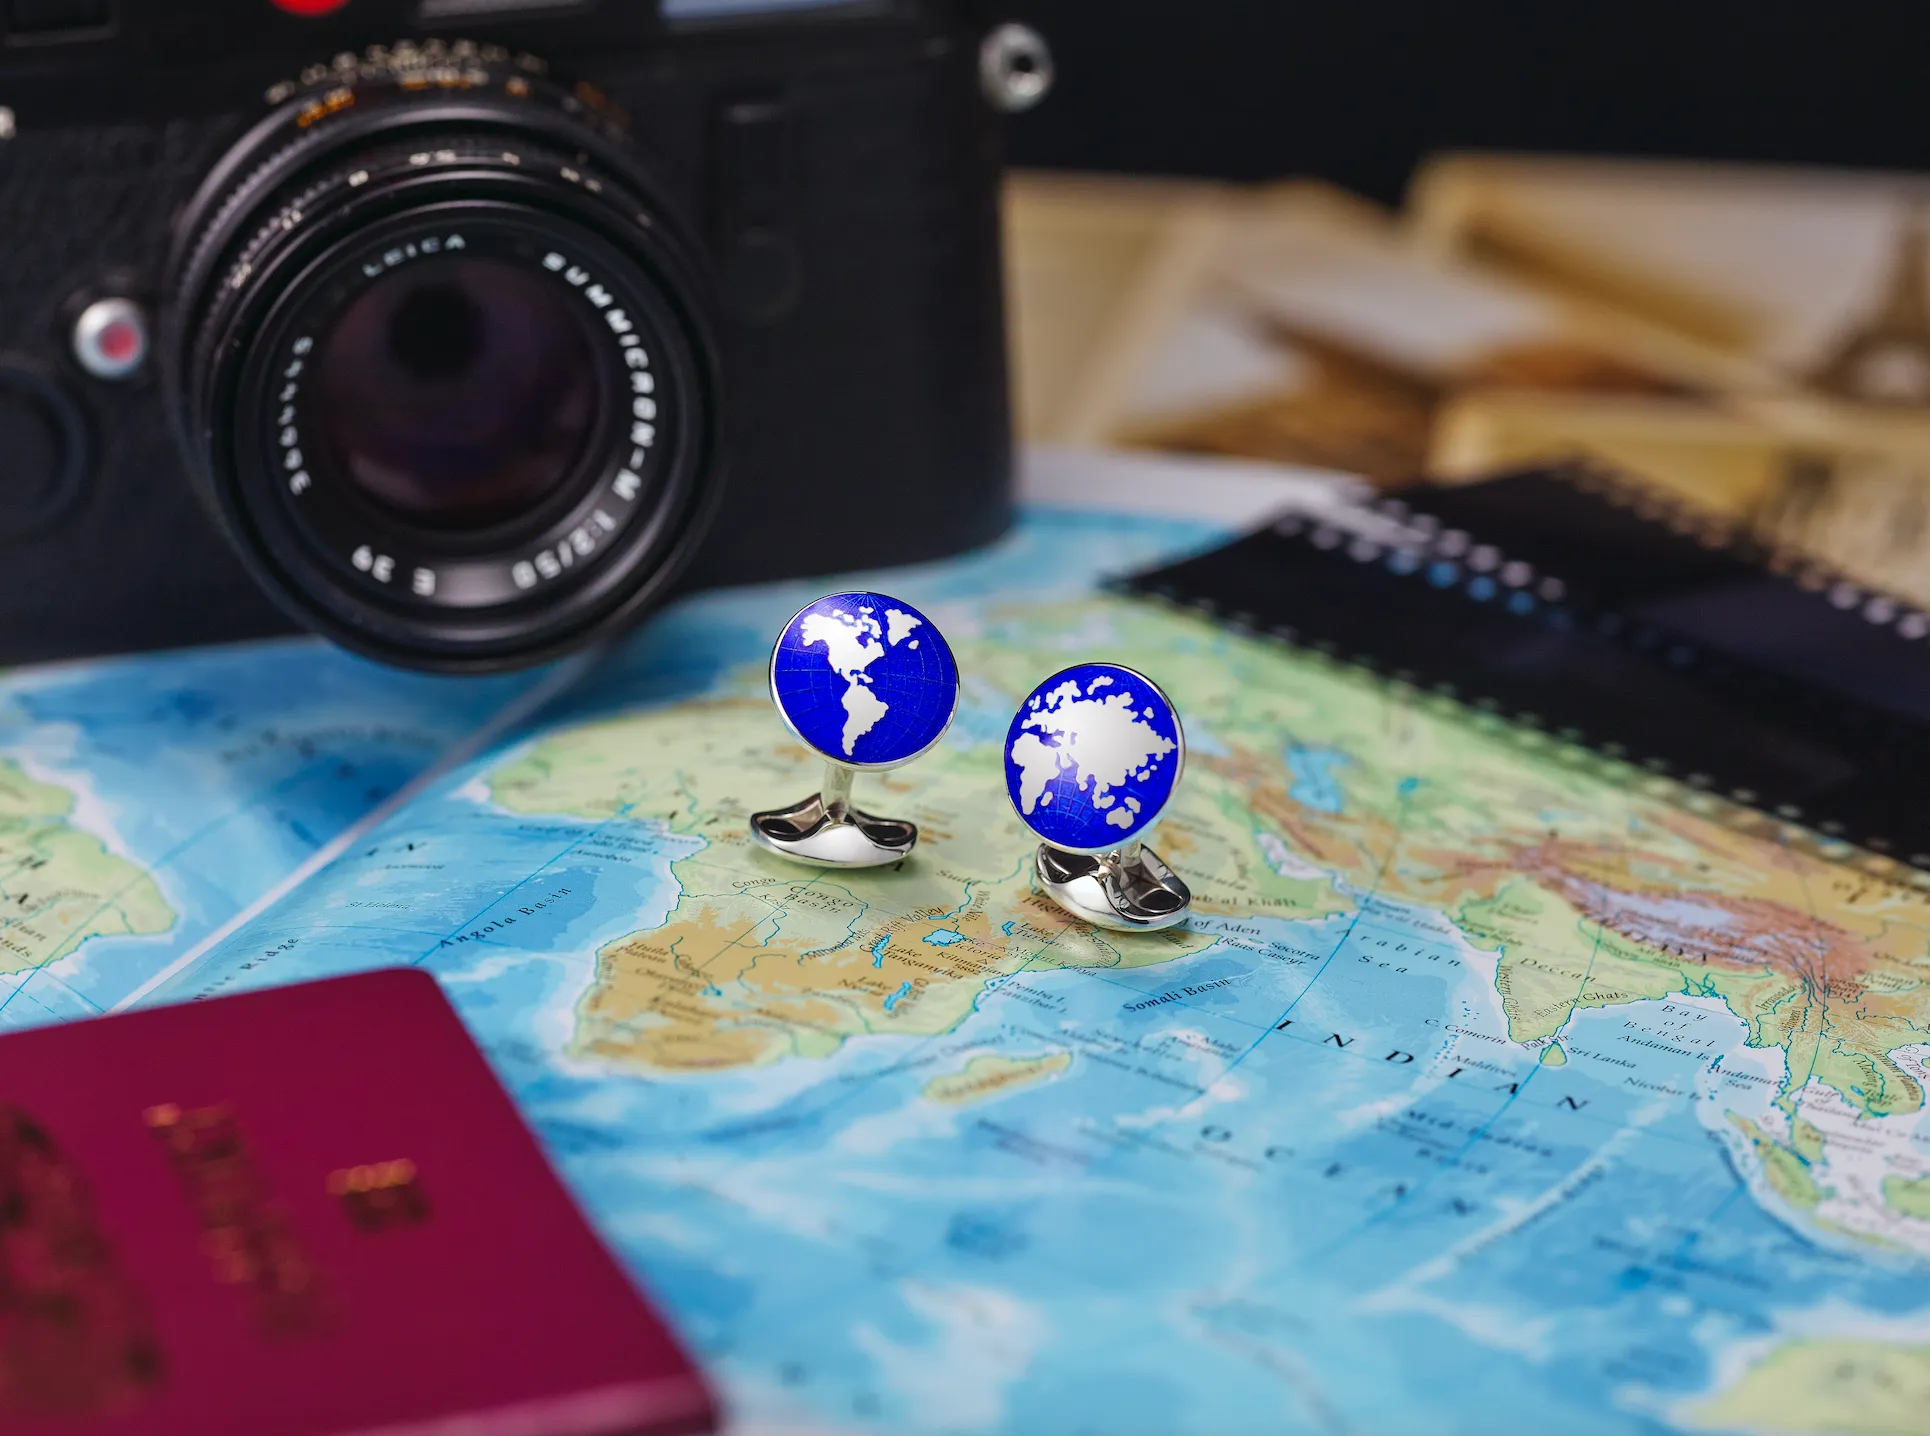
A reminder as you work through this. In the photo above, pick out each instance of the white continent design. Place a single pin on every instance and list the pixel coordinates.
(1102, 740)
(852, 643)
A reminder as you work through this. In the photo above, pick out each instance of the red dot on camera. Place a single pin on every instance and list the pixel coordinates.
(309, 7)
(119, 342)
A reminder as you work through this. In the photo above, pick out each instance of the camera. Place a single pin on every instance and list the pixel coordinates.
(467, 348)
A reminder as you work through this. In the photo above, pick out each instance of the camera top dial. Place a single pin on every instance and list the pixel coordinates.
(440, 355)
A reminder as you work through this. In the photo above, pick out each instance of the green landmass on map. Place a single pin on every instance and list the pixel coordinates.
(1833, 1385)
(1908, 1196)
(60, 885)
(1787, 1170)
(989, 1076)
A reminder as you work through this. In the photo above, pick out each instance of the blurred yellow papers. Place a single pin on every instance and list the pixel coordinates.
(1293, 322)
(1811, 288)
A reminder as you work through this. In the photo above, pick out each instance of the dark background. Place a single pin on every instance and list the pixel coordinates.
(1357, 91)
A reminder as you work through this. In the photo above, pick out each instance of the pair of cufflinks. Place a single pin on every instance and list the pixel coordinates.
(1091, 758)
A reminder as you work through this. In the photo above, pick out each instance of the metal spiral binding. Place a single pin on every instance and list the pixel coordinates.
(1715, 533)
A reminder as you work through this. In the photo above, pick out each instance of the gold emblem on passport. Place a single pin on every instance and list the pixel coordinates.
(380, 1195)
(76, 1338)
(245, 1232)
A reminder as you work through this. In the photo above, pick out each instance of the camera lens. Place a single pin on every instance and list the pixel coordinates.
(440, 356)
(458, 394)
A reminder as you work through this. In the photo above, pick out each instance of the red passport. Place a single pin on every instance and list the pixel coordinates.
(311, 1211)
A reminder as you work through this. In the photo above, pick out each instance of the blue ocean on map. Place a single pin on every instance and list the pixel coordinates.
(1314, 780)
(220, 771)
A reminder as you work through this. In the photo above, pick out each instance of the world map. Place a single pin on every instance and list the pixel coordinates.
(1092, 757)
(864, 679)
(1491, 1085)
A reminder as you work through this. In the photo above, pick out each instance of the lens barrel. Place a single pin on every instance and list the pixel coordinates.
(440, 359)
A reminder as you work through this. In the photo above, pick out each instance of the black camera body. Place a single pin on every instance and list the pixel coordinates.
(467, 348)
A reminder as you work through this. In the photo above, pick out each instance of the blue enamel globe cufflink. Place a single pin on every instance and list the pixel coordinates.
(866, 681)
(1093, 755)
